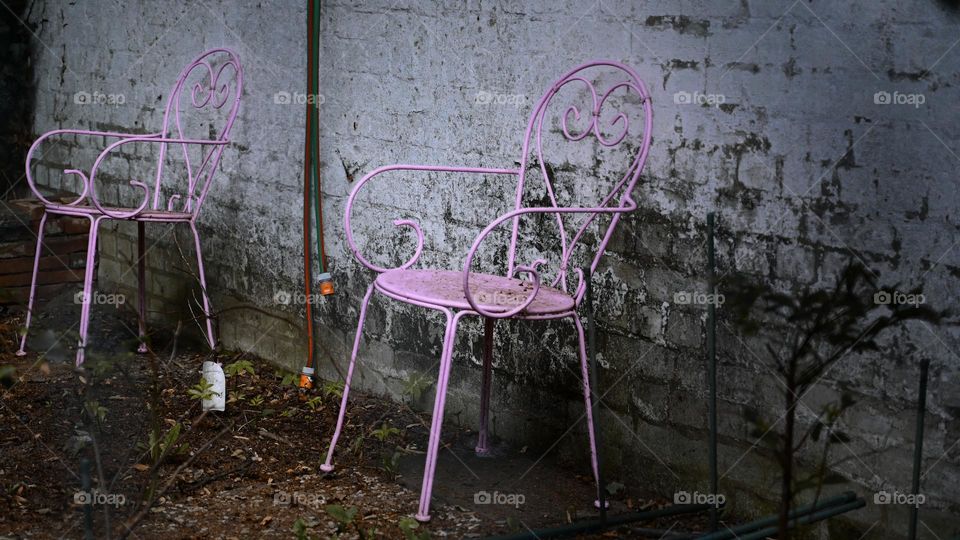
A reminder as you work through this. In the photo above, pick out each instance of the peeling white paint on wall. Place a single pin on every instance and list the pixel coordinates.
(767, 112)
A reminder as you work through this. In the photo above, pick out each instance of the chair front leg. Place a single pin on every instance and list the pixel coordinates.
(433, 448)
(33, 285)
(141, 288)
(328, 464)
(88, 288)
(588, 402)
(483, 445)
(211, 338)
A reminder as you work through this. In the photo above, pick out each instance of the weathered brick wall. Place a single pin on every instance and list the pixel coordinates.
(766, 112)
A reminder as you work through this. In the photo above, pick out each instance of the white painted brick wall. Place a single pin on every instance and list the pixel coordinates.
(400, 82)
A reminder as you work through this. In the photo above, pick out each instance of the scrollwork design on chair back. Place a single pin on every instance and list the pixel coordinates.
(211, 85)
(576, 123)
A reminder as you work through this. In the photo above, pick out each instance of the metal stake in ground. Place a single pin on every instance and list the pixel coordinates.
(712, 367)
(88, 499)
(918, 445)
(592, 353)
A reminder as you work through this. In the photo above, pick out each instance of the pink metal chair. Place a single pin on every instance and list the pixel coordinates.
(215, 82)
(457, 294)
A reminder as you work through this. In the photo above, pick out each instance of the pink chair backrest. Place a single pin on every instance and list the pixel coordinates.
(600, 121)
(202, 105)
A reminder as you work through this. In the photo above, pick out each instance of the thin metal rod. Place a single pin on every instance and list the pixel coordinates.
(88, 504)
(918, 445)
(734, 532)
(807, 519)
(611, 521)
(592, 353)
(712, 368)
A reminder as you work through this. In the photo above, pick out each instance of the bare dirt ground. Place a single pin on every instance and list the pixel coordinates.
(160, 468)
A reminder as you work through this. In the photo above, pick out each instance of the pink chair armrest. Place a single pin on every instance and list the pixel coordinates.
(404, 222)
(92, 193)
(84, 132)
(628, 205)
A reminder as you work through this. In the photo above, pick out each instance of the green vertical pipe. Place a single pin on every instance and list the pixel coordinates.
(918, 445)
(596, 412)
(313, 103)
(712, 366)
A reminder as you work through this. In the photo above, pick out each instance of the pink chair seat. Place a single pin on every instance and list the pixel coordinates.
(492, 293)
(146, 215)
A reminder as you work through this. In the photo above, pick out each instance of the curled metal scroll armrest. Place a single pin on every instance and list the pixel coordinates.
(413, 224)
(85, 132)
(134, 212)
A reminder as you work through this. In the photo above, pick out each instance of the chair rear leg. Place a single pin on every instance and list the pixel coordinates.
(588, 403)
(87, 289)
(211, 338)
(433, 448)
(33, 285)
(483, 446)
(141, 288)
(328, 464)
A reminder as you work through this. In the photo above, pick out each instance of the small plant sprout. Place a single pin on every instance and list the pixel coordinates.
(97, 412)
(333, 389)
(343, 515)
(8, 375)
(300, 530)
(416, 385)
(238, 368)
(159, 446)
(391, 462)
(384, 432)
(615, 488)
(408, 526)
(288, 378)
(202, 390)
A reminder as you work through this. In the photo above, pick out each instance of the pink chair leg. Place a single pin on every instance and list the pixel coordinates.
(88, 288)
(33, 285)
(433, 448)
(211, 338)
(141, 288)
(483, 446)
(328, 464)
(585, 373)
